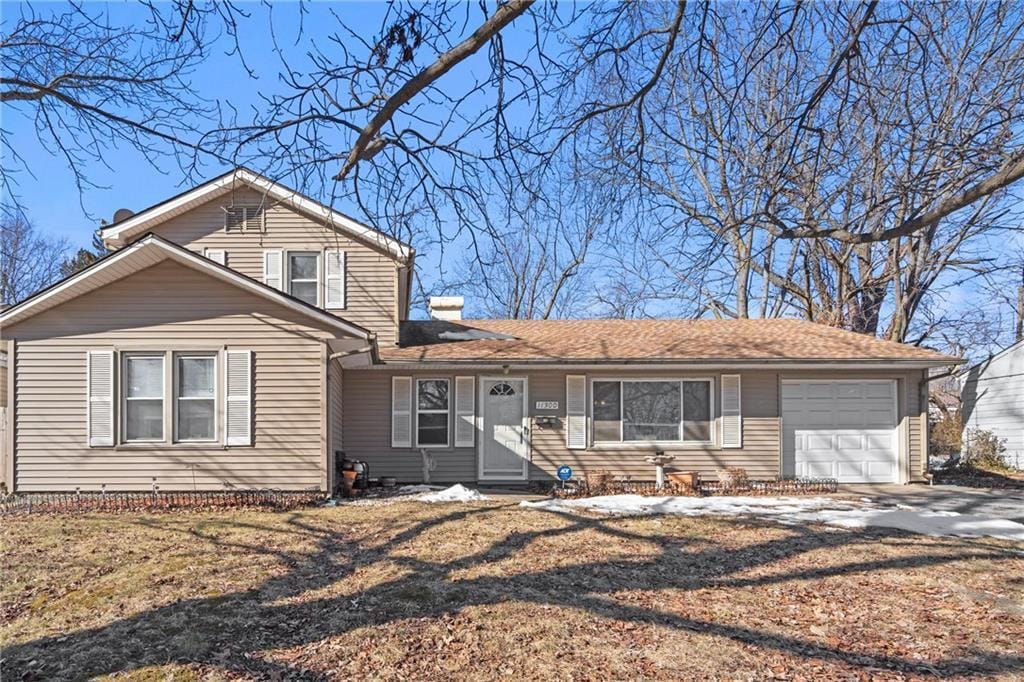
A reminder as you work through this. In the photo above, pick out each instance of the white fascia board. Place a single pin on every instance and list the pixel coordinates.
(325, 213)
(722, 365)
(186, 257)
(125, 229)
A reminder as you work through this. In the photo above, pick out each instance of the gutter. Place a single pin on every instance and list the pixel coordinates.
(654, 363)
(346, 353)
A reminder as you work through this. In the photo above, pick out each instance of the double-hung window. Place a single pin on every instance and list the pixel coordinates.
(432, 407)
(659, 410)
(143, 377)
(304, 275)
(189, 390)
(195, 397)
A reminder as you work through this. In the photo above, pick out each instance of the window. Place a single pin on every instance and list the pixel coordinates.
(195, 399)
(432, 412)
(502, 389)
(143, 391)
(651, 410)
(303, 275)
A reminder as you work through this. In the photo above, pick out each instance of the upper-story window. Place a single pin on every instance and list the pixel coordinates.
(303, 275)
(316, 277)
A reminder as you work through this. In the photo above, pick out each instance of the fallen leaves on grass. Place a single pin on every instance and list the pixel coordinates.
(414, 591)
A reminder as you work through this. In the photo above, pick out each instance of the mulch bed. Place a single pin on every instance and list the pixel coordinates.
(972, 477)
(583, 488)
(65, 503)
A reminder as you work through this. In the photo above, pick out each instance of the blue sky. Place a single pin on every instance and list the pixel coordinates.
(51, 199)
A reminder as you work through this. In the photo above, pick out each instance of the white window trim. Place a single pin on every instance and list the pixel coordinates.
(416, 414)
(223, 255)
(286, 274)
(175, 398)
(125, 356)
(611, 444)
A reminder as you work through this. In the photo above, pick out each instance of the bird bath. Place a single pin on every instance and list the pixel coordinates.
(659, 461)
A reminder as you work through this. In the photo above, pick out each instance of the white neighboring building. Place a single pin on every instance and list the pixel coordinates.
(993, 399)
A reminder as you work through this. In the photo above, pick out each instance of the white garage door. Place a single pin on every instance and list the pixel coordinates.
(840, 429)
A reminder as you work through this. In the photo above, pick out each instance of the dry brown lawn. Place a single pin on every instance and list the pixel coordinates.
(491, 590)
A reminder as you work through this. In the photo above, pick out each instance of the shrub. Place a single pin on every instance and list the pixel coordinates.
(598, 481)
(733, 478)
(944, 435)
(983, 449)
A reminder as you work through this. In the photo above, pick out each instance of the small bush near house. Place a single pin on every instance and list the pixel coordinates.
(983, 449)
(733, 478)
(944, 435)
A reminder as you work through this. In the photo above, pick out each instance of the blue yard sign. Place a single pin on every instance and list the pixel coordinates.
(564, 472)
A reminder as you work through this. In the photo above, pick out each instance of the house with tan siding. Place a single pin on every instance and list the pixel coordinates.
(243, 335)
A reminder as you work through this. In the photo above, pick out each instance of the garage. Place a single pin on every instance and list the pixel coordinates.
(840, 429)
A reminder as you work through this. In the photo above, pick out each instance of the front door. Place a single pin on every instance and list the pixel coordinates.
(504, 448)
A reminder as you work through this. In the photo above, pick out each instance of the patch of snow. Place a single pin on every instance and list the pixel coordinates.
(792, 510)
(457, 493)
(417, 489)
(471, 334)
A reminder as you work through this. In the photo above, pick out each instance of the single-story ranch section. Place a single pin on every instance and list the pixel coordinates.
(243, 335)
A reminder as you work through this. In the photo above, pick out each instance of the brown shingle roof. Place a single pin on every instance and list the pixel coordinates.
(640, 340)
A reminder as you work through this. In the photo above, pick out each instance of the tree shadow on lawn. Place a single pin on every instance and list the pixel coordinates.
(230, 632)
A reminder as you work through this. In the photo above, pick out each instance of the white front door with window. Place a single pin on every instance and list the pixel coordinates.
(504, 445)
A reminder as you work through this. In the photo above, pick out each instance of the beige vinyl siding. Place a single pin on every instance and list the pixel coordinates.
(759, 454)
(370, 281)
(367, 423)
(335, 410)
(168, 306)
(367, 429)
(3, 380)
(917, 386)
(367, 401)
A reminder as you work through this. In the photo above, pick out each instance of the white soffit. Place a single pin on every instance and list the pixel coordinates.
(120, 233)
(148, 252)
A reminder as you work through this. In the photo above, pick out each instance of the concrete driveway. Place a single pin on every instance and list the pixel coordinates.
(1005, 504)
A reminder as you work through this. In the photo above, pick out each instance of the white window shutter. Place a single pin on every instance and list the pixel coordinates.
(334, 279)
(732, 418)
(272, 269)
(217, 256)
(238, 397)
(465, 414)
(100, 381)
(576, 412)
(401, 412)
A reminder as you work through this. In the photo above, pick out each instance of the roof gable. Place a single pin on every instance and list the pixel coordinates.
(123, 231)
(147, 252)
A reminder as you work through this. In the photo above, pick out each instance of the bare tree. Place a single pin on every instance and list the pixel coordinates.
(789, 154)
(531, 257)
(90, 84)
(29, 260)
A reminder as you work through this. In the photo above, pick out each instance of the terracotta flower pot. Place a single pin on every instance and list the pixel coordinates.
(348, 479)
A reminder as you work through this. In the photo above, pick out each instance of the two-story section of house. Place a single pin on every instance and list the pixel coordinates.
(242, 335)
(204, 352)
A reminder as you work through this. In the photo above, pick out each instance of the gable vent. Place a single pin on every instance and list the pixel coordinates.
(242, 218)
